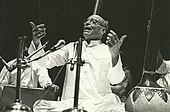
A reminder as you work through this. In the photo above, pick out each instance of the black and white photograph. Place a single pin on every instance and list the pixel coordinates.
(84, 56)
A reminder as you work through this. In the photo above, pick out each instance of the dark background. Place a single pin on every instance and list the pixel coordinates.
(64, 20)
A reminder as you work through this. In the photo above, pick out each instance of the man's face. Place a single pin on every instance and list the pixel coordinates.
(93, 28)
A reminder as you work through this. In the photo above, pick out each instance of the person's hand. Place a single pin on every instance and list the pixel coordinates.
(114, 44)
(38, 32)
(52, 87)
(117, 89)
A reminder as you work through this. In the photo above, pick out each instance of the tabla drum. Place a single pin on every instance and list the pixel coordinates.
(148, 96)
(148, 99)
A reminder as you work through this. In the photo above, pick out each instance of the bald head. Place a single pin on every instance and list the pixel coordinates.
(101, 21)
(95, 27)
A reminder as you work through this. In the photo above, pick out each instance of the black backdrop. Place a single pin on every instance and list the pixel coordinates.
(64, 20)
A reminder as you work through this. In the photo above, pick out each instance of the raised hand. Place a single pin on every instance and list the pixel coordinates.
(114, 44)
(113, 40)
(38, 32)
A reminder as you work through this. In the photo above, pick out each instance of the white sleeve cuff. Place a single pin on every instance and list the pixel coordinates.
(116, 74)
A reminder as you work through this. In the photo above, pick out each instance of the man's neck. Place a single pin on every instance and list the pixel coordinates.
(94, 43)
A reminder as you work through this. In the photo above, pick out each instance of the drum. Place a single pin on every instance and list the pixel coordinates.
(148, 98)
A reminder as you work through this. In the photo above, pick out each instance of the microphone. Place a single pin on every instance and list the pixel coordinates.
(5, 63)
(59, 45)
(36, 51)
(72, 65)
(73, 60)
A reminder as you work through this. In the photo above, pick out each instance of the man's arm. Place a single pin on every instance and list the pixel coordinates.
(114, 44)
(116, 73)
(32, 48)
(38, 32)
(4, 76)
(44, 79)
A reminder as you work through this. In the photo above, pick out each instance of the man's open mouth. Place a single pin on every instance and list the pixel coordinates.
(88, 29)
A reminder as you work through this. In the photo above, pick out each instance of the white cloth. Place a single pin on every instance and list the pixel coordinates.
(30, 76)
(164, 69)
(108, 103)
(116, 75)
(94, 82)
(32, 48)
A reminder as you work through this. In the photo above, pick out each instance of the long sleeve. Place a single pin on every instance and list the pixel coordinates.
(32, 48)
(57, 58)
(4, 76)
(116, 74)
(44, 78)
(42, 73)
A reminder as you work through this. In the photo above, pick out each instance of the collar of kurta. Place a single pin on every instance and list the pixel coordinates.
(93, 43)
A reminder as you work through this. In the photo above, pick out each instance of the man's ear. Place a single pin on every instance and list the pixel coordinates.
(103, 31)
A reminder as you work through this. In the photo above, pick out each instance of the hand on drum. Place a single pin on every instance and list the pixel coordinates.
(38, 32)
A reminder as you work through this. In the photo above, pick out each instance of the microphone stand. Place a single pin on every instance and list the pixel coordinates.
(43, 55)
(77, 80)
(36, 51)
(14, 65)
(17, 105)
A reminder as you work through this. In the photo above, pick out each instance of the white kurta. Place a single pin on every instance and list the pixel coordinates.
(94, 83)
(30, 76)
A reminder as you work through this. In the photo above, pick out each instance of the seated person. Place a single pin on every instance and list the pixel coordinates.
(32, 73)
(95, 94)
(30, 76)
